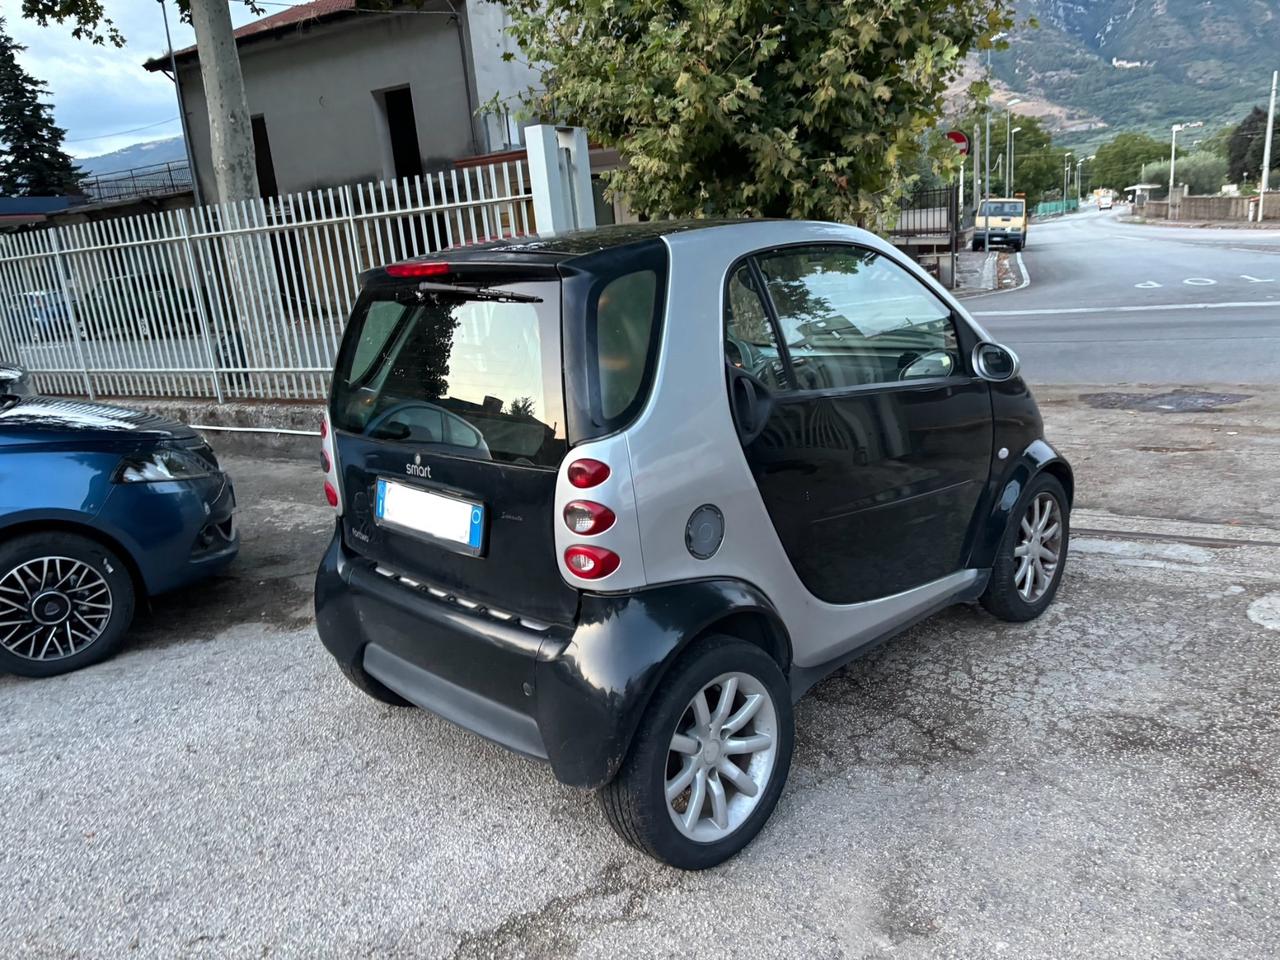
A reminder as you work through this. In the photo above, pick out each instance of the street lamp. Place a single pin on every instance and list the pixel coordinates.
(1008, 144)
(986, 175)
(1173, 154)
(1080, 163)
(1066, 176)
(1010, 183)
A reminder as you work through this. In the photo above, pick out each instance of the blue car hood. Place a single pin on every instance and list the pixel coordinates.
(58, 420)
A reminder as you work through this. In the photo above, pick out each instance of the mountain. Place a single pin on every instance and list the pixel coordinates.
(135, 155)
(1143, 64)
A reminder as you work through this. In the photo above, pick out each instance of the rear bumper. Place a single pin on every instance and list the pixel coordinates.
(997, 236)
(571, 695)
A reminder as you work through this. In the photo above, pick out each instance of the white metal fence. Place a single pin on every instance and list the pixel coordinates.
(234, 301)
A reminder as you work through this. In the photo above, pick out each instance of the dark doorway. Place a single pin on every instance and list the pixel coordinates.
(262, 153)
(403, 131)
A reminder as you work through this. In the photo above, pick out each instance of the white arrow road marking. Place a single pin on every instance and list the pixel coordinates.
(1148, 285)
(1200, 281)
(1245, 276)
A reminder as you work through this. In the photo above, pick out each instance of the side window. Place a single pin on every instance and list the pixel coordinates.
(749, 342)
(851, 317)
(625, 318)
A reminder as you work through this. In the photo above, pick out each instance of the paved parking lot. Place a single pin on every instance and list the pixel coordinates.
(1100, 783)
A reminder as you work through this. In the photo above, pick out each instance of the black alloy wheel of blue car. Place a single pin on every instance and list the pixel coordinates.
(65, 602)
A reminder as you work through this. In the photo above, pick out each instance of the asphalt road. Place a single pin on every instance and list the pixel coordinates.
(1100, 783)
(1119, 302)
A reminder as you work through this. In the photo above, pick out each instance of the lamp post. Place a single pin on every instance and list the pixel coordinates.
(1173, 154)
(1008, 144)
(1080, 163)
(986, 163)
(1066, 176)
(1011, 145)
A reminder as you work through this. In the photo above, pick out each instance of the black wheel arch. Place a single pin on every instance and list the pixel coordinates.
(603, 679)
(1038, 457)
(62, 525)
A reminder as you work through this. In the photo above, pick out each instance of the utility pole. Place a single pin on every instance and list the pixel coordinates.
(1066, 179)
(1266, 147)
(1011, 155)
(230, 131)
(1008, 145)
(1173, 154)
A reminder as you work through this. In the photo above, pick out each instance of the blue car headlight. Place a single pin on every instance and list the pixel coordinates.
(161, 464)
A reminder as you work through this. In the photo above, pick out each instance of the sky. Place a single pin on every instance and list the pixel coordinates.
(100, 94)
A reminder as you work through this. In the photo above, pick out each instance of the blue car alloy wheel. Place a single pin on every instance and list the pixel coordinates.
(65, 602)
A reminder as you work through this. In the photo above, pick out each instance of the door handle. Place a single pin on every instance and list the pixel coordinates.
(751, 402)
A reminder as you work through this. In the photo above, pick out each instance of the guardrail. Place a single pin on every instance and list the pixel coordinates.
(233, 301)
(150, 181)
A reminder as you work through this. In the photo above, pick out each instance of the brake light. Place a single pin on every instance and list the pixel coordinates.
(591, 563)
(588, 473)
(587, 518)
(330, 494)
(418, 269)
(324, 427)
(329, 462)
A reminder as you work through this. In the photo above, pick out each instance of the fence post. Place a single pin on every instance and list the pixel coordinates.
(60, 270)
(560, 177)
(201, 312)
(349, 209)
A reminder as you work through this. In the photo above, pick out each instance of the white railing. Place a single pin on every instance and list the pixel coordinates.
(234, 301)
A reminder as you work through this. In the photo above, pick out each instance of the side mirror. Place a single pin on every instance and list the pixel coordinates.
(14, 381)
(994, 362)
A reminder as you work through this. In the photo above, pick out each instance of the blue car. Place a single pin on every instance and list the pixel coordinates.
(100, 507)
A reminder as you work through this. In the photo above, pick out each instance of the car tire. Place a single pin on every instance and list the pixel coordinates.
(58, 584)
(1007, 596)
(635, 802)
(372, 687)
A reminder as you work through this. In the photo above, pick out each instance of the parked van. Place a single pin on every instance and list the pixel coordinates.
(1001, 220)
(616, 499)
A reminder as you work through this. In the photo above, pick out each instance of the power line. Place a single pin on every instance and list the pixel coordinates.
(119, 133)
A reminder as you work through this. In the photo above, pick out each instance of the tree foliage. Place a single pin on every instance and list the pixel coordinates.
(1247, 143)
(1037, 163)
(805, 108)
(32, 163)
(1202, 172)
(1118, 163)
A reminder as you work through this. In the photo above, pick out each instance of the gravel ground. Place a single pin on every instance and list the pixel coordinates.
(1099, 783)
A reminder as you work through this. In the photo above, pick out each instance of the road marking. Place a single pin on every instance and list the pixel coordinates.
(1144, 308)
(1148, 285)
(1245, 276)
(1026, 274)
(1199, 281)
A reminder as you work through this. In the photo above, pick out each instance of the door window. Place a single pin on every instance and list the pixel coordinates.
(851, 317)
(749, 342)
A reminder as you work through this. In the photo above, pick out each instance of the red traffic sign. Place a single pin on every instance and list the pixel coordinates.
(960, 140)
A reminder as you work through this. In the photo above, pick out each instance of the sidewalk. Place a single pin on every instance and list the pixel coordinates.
(978, 272)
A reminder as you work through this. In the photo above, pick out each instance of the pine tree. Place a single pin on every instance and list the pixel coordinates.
(32, 163)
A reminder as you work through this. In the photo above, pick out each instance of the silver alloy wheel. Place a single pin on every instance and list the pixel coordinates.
(721, 757)
(51, 608)
(1039, 548)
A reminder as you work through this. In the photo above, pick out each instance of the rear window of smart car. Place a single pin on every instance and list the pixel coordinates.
(474, 376)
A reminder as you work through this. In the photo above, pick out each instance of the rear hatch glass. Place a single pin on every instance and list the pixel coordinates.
(447, 398)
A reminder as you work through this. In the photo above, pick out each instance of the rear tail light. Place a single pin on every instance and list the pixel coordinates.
(587, 518)
(329, 462)
(590, 563)
(588, 473)
(414, 269)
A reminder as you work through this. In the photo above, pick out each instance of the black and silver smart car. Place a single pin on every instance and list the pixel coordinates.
(616, 499)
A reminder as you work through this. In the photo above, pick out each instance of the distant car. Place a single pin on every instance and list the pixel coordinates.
(1105, 203)
(99, 507)
(38, 315)
(140, 305)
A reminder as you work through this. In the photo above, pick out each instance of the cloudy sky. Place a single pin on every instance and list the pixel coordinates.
(101, 95)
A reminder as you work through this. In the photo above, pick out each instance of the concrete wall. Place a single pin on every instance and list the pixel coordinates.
(509, 80)
(316, 92)
(1211, 208)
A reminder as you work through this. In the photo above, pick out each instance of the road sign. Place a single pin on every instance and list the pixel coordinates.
(960, 140)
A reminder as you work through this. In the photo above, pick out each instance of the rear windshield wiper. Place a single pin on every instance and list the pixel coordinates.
(469, 293)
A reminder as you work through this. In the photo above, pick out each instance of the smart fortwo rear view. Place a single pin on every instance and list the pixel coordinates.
(616, 499)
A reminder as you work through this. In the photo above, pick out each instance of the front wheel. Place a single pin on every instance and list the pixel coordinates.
(1032, 554)
(709, 759)
(65, 602)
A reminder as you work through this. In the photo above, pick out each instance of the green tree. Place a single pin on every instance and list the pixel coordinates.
(32, 163)
(1037, 163)
(808, 108)
(1118, 163)
(1203, 172)
(1247, 144)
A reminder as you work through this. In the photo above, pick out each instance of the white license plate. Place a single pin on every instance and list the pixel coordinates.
(454, 521)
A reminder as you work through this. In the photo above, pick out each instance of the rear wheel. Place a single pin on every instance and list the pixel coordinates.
(1033, 553)
(710, 757)
(65, 602)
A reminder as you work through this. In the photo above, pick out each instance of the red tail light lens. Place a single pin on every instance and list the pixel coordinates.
(586, 518)
(417, 270)
(324, 427)
(591, 563)
(588, 473)
(330, 494)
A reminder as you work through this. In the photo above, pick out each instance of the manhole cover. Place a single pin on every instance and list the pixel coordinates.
(1178, 401)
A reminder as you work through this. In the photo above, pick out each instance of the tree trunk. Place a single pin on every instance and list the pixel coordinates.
(230, 131)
